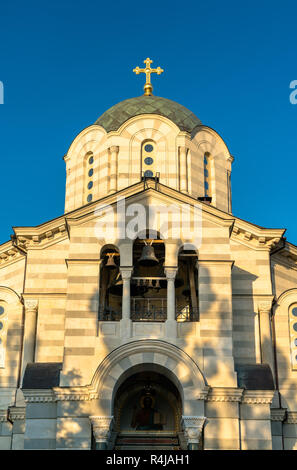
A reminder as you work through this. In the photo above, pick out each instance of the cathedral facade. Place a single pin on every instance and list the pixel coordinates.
(148, 316)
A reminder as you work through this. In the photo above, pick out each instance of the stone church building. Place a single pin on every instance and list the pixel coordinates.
(148, 316)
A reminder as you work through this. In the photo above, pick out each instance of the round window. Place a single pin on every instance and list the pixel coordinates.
(148, 148)
(1, 325)
(2, 310)
(148, 174)
(91, 160)
(295, 326)
(91, 171)
(89, 198)
(90, 184)
(295, 341)
(294, 311)
(148, 161)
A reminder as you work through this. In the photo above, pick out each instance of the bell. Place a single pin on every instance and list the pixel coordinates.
(148, 257)
(110, 264)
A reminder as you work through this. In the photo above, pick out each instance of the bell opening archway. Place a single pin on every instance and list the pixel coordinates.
(148, 283)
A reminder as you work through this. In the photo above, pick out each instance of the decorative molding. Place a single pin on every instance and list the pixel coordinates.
(40, 237)
(3, 415)
(83, 393)
(258, 237)
(224, 394)
(258, 397)
(39, 396)
(277, 414)
(101, 426)
(192, 426)
(17, 413)
(202, 394)
(9, 254)
(291, 417)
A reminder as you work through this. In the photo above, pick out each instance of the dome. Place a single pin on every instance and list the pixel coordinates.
(115, 116)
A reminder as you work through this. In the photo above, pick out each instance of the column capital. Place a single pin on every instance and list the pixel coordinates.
(192, 426)
(265, 307)
(114, 149)
(31, 304)
(126, 272)
(170, 272)
(101, 427)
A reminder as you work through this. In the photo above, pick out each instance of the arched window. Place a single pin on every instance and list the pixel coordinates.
(148, 159)
(207, 174)
(293, 334)
(3, 331)
(88, 177)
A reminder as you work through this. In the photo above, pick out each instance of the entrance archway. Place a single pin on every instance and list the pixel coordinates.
(181, 379)
(147, 410)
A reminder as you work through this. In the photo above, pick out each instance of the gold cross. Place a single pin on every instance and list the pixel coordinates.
(148, 88)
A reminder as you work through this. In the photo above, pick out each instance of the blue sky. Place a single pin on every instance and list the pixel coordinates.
(63, 63)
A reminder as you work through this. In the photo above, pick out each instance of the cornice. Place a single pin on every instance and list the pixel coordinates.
(43, 236)
(39, 395)
(60, 394)
(9, 254)
(258, 397)
(3, 415)
(291, 417)
(75, 393)
(256, 237)
(224, 394)
(286, 255)
(17, 413)
(277, 414)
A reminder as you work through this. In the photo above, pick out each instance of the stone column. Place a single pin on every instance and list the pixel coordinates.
(31, 307)
(267, 356)
(183, 169)
(113, 186)
(126, 323)
(101, 426)
(170, 325)
(192, 426)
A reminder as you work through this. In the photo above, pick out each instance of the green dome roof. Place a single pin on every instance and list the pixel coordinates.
(115, 116)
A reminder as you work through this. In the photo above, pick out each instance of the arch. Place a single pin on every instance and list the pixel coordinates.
(217, 140)
(8, 295)
(89, 139)
(165, 388)
(178, 365)
(287, 296)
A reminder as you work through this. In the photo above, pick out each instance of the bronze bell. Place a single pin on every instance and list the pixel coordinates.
(110, 264)
(148, 257)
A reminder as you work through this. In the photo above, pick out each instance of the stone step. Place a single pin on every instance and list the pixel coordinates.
(156, 447)
(152, 441)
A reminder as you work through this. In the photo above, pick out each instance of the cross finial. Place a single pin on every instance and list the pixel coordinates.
(148, 88)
